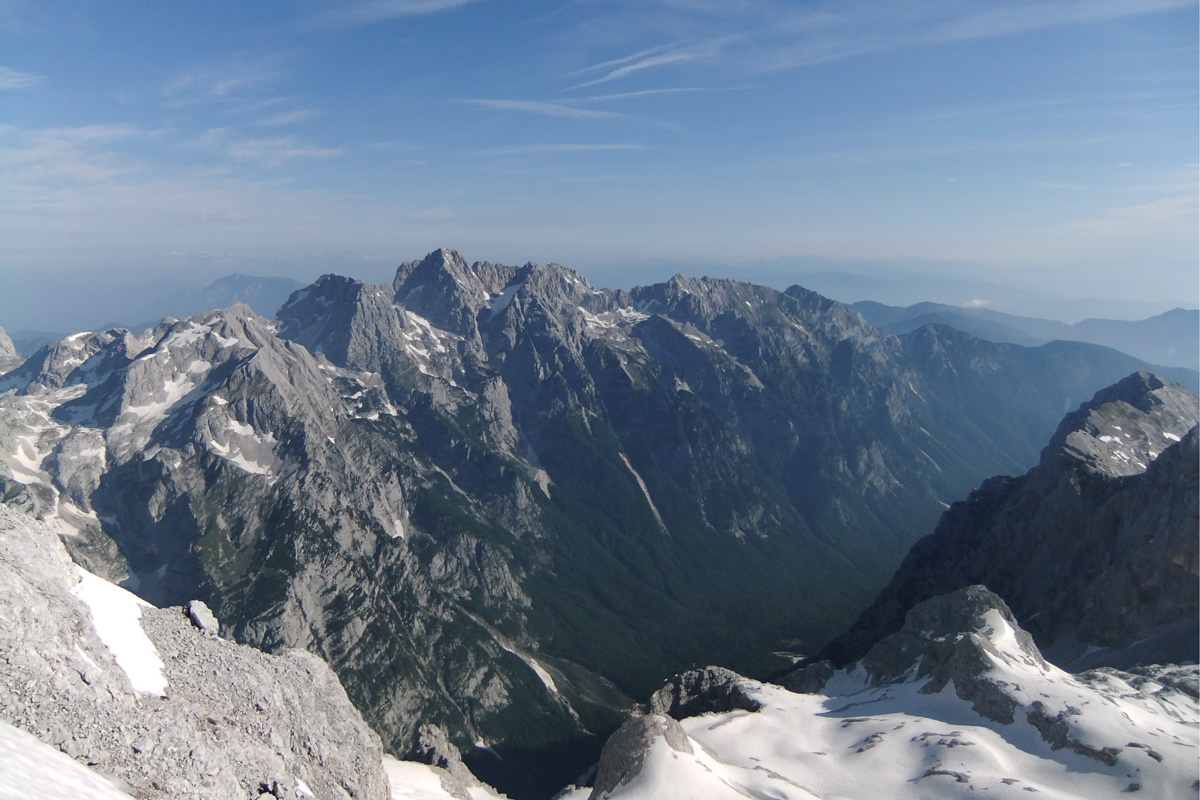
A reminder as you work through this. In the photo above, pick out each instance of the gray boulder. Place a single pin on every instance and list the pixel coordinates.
(203, 618)
(703, 691)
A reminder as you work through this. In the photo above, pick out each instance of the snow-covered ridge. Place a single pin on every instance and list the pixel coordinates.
(918, 732)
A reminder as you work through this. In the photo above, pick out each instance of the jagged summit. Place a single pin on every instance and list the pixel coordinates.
(1125, 426)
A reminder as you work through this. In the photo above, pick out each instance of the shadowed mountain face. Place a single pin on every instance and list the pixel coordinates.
(496, 498)
(1095, 549)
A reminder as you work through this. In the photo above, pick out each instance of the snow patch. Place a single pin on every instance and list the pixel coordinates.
(412, 781)
(502, 301)
(115, 615)
(646, 492)
(34, 769)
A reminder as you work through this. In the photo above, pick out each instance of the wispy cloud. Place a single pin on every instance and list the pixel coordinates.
(534, 149)
(11, 79)
(857, 28)
(267, 152)
(287, 117)
(760, 36)
(545, 109)
(615, 63)
(366, 12)
(84, 154)
(278, 151)
(611, 98)
(1014, 18)
(227, 82)
(1145, 218)
(648, 62)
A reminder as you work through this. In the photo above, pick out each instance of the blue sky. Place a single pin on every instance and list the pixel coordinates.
(1046, 144)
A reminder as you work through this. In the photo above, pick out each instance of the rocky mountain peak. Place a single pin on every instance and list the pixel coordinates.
(342, 318)
(443, 289)
(76, 359)
(1124, 426)
(8, 353)
(956, 637)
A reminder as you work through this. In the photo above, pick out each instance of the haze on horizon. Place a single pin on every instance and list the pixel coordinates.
(1047, 145)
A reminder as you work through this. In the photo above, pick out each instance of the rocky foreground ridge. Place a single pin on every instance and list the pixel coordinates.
(147, 697)
(499, 500)
(105, 696)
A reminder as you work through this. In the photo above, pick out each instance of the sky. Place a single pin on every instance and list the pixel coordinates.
(1049, 146)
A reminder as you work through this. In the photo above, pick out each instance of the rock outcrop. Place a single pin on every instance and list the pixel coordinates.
(9, 357)
(1095, 549)
(225, 720)
(702, 691)
(626, 752)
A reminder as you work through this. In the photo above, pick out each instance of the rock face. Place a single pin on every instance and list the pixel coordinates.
(9, 358)
(628, 749)
(702, 691)
(479, 489)
(228, 720)
(1095, 549)
(957, 639)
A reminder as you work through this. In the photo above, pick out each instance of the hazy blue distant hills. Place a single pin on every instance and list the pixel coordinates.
(1170, 339)
(264, 295)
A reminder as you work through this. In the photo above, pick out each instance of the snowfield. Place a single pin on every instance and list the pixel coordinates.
(897, 743)
(1099, 734)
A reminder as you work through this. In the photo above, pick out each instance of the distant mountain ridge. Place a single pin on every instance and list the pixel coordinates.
(1170, 339)
(263, 294)
(147, 307)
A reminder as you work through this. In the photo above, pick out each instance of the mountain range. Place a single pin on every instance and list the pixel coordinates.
(1169, 338)
(502, 501)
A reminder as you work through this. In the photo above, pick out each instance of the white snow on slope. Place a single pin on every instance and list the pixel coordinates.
(645, 492)
(542, 673)
(246, 448)
(610, 320)
(862, 742)
(412, 781)
(115, 615)
(33, 769)
(501, 301)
